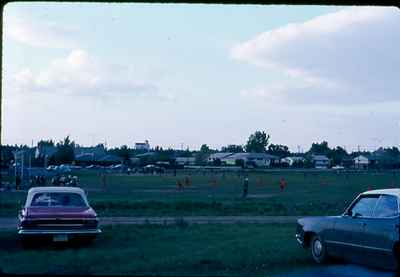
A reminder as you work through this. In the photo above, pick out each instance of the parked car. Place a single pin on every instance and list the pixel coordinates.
(58, 213)
(367, 232)
(51, 167)
(64, 168)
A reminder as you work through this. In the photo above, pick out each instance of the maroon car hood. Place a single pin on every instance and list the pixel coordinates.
(60, 212)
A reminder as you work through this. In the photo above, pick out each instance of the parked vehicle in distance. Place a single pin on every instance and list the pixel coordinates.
(51, 168)
(58, 213)
(367, 232)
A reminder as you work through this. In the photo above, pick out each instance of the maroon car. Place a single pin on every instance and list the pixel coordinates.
(59, 213)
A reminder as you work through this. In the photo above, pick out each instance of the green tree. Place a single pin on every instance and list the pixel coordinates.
(205, 149)
(257, 142)
(278, 150)
(337, 155)
(43, 143)
(65, 151)
(202, 155)
(124, 153)
(232, 148)
(319, 148)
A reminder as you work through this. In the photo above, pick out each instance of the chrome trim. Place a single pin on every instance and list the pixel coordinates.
(359, 245)
(56, 232)
(62, 225)
(60, 218)
(298, 238)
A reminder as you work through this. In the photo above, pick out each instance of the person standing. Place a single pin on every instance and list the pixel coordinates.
(245, 187)
(17, 182)
(282, 184)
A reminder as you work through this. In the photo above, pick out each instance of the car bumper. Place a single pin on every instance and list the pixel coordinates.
(58, 232)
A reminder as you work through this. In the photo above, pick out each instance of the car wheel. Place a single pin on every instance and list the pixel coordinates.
(26, 242)
(318, 250)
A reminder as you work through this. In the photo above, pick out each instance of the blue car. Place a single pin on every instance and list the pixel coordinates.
(367, 232)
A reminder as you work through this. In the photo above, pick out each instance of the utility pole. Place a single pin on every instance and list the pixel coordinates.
(22, 166)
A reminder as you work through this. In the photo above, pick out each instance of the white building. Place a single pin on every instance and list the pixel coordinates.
(218, 156)
(258, 159)
(361, 162)
(291, 160)
(320, 161)
(142, 145)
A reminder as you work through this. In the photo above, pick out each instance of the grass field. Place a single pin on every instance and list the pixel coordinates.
(229, 250)
(226, 250)
(311, 193)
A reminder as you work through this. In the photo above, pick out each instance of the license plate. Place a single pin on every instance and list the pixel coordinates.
(60, 238)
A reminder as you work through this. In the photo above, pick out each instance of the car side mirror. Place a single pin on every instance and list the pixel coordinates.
(355, 215)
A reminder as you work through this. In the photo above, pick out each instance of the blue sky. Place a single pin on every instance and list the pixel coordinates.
(197, 74)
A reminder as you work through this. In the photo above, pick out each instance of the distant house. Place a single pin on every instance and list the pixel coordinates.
(381, 158)
(257, 159)
(185, 160)
(292, 160)
(361, 162)
(85, 158)
(142, 145)
(320, 161)
(218, 156)
(94, 151)
(347, 162)
(110, 159)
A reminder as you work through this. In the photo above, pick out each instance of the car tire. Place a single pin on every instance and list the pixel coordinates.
(26, 242)
(318, 250)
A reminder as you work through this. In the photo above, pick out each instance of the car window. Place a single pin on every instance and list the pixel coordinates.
(386, 207)
(63, 199)
(365, 206)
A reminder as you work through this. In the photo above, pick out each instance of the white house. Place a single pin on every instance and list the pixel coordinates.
(361, 162)
(142, 145)
(320, 161)
(291, 160)
(218, 156)
(259, 159)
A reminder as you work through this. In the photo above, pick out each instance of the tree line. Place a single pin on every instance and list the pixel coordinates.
(257, 142)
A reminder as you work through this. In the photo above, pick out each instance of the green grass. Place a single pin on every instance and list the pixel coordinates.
(313, 193)
(229, 250)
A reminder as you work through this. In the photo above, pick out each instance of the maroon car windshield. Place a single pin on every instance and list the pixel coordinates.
(58, 199)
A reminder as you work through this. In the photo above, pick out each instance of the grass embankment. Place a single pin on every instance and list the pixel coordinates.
(312, 193)
(253, 250)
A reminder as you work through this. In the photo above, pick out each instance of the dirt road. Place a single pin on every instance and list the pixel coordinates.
(10, 223)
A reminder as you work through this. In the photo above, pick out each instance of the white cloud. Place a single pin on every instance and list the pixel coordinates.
(81, 74)
(346, 57)
(38, 33)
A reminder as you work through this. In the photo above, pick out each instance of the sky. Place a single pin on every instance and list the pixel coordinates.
(183, 75)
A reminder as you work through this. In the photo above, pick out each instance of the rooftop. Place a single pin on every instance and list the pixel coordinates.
(395, 192)
(55, 189)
